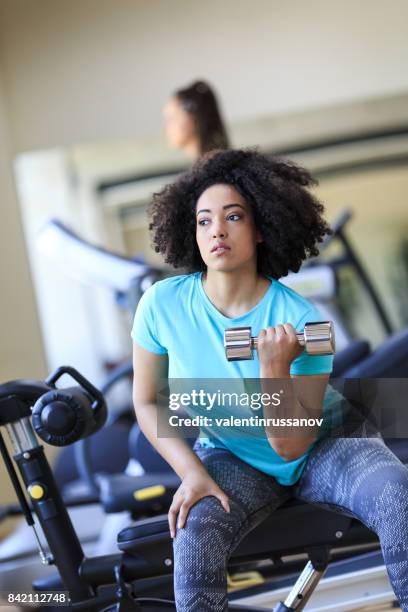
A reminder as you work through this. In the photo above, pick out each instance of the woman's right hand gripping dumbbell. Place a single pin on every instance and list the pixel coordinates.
(195, 485)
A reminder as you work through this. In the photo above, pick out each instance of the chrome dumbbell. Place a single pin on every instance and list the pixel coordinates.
(316, 337)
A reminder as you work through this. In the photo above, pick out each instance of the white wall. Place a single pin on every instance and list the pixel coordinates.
(21, 352)
(85, 70)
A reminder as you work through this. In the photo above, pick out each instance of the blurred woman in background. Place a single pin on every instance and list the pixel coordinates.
(193, 121)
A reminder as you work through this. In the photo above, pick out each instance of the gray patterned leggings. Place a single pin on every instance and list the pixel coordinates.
(360, 475)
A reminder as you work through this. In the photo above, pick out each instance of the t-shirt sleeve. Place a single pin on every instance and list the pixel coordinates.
(311, 364)
(144, 331)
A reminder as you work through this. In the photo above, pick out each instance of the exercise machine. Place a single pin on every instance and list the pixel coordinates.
(143, 565)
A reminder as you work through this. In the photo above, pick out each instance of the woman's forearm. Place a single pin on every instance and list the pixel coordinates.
(299, 399)
(174, 450)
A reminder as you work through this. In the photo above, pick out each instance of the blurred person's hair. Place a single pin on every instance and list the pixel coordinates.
(199, 100)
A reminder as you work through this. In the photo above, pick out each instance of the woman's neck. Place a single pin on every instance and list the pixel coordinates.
(234, 293)
(192, 148)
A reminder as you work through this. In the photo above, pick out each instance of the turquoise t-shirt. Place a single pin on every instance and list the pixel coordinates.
(176, 317)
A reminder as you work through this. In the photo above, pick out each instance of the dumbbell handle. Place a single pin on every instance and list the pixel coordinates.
(316, 337)
(254, 340)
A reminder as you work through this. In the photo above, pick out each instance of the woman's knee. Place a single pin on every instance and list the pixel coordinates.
(384, 496)
(206, 539)
(383, 473)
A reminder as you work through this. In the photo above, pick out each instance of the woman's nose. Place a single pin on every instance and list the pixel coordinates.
(219, 230)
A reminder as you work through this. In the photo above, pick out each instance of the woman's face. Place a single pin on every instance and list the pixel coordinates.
(225, 230)
(179, 124)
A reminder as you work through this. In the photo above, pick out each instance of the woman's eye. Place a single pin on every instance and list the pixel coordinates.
(234, 217)
(203, 222)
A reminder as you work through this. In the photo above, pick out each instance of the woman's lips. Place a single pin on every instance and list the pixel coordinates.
(221, 250)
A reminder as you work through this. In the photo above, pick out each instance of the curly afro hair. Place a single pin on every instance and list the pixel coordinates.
(287, 215)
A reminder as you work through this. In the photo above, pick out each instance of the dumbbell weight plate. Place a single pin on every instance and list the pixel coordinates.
(238, 344)
(319, 338)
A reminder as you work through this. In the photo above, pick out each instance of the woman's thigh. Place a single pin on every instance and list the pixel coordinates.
(359, 476)
(252, 496)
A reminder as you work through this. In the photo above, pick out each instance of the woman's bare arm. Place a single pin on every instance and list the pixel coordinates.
(302, 399)
(148, 369)
(302, 396)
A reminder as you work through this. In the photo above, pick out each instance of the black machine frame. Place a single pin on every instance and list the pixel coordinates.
(120, 581)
